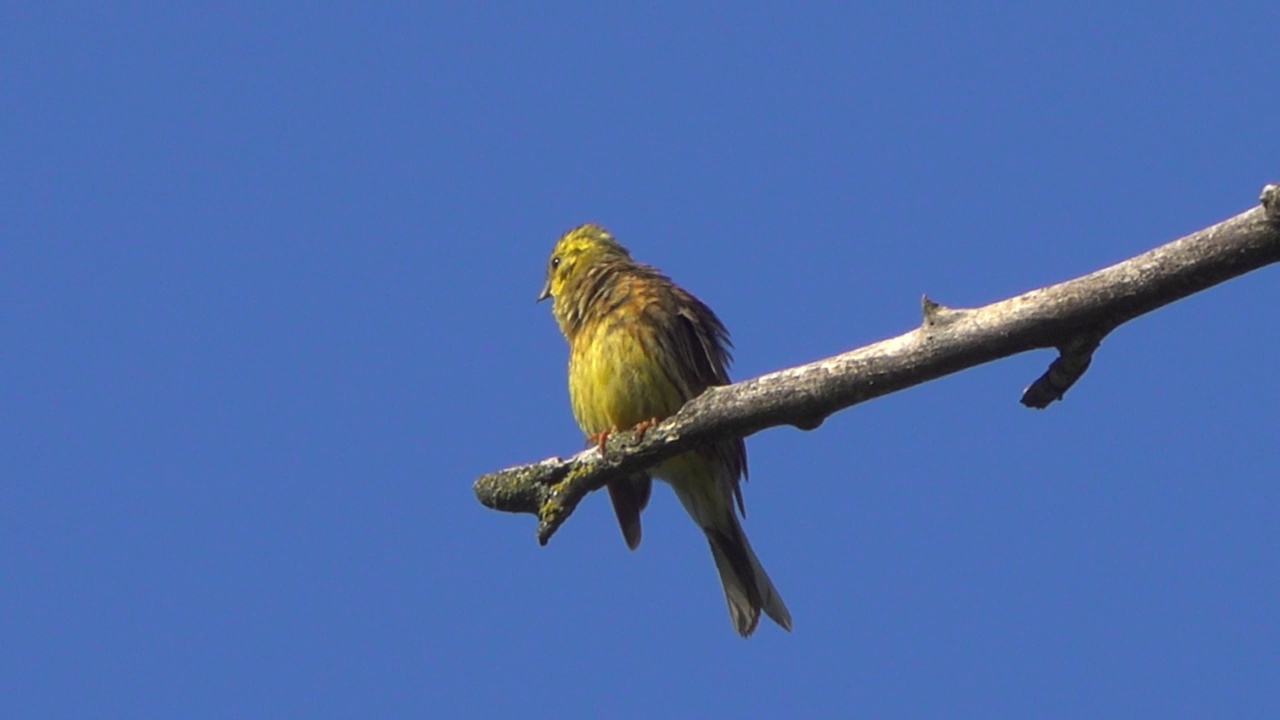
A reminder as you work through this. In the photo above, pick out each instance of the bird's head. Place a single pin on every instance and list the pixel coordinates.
(576, 251)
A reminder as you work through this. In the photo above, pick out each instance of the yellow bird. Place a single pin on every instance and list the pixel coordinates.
(640, 347)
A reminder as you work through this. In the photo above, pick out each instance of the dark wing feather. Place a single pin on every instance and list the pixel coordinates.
(700, 343)
(629, 496)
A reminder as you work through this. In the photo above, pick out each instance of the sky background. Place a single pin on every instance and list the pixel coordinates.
(267, 280)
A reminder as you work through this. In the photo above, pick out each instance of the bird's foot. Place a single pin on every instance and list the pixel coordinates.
(600, 438)
(642, 427)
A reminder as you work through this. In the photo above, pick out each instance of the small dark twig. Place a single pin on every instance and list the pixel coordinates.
(1073, 360)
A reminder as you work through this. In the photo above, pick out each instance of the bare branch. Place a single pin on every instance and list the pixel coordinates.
(1072, 316)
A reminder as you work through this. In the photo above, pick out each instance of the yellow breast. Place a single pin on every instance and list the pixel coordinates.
(617, 376)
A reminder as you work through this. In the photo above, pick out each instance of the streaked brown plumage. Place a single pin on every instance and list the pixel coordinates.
(639, 348)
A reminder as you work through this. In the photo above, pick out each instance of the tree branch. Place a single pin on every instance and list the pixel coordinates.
(1073, 317)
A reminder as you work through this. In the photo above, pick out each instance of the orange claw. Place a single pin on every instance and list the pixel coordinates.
(643, 426)
(599, 439)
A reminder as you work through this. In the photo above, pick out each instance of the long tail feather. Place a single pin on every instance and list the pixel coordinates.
(747, 587)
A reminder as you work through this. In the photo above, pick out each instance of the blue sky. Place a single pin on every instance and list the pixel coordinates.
(266, 310)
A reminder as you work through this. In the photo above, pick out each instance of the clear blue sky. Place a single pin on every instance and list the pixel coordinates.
(267, 281)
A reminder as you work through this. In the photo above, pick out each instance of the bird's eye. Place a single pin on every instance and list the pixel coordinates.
(555, 262)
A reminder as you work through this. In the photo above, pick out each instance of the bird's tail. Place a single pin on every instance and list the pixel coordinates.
(747, 587)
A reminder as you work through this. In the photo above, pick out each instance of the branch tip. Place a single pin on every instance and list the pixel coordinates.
(1270, 199)
(935, 313)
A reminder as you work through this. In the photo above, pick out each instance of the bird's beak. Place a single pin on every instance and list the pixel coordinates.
(546, 292)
